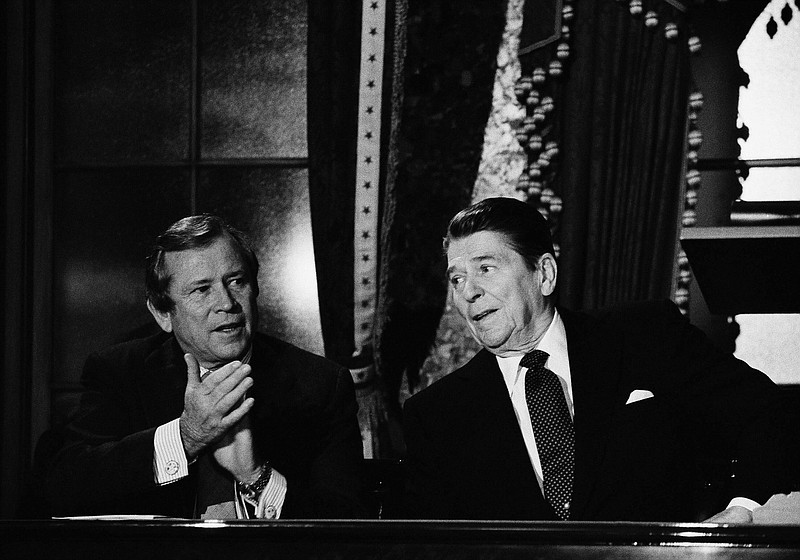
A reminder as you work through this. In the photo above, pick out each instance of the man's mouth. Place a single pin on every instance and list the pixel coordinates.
(228, 328)
(483, 314)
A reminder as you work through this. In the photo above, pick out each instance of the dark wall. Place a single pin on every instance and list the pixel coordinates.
(123, 117)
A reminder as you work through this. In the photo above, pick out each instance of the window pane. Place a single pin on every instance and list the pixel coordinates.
(769, 343)
(272, 206)
(123, 80)
(769, 106)
(772, 183)
(105, 224)
(253, 78)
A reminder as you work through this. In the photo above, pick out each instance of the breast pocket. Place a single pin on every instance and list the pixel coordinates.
(647, 440)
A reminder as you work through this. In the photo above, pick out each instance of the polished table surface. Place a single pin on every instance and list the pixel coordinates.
(240, 540)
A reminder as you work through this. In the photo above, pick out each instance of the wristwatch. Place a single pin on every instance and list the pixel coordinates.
(253, 491)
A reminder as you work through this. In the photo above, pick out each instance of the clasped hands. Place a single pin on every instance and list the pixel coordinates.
(215, 416)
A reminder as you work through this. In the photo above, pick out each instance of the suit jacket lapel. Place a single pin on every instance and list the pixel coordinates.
(595, 366)
(270, 389)
(271, 384)
(495, 431)
(487, 396)
(162, 383)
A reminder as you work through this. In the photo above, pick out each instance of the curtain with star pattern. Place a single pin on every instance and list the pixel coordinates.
(620, 114)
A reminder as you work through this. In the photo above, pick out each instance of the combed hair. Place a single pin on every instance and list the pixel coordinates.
(526, 230)
(192, 232)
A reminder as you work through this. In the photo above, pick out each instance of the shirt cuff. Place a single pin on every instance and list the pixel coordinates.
(746, 503)
(270, 501)
(169, 458)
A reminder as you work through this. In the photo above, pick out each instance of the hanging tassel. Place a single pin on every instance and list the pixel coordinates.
(372, 413)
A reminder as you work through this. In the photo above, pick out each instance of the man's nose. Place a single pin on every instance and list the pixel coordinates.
(225, 300)
(472, 290)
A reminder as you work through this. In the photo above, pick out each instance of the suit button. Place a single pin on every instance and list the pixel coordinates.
(172, 467)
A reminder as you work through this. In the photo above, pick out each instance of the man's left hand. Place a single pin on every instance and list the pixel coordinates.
(734, 514)
(235, 452)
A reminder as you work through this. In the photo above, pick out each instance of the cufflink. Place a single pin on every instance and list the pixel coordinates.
(172, 467)
(270, 512)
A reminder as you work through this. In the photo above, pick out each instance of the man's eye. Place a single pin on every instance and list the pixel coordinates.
(239, 281)
(456, 281)
(200, 290)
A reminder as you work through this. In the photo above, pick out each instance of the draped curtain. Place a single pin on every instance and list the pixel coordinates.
(623, 119)
(619, 79)
(334, 32)
(620, 113)
(443, 62)
(447, 82)
(333, 81)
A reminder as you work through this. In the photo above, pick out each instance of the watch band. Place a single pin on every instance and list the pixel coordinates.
(254, 490)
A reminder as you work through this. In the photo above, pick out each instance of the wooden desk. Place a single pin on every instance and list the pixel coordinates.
(243, 540)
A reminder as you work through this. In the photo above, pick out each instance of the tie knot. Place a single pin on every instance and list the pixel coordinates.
(535, 359)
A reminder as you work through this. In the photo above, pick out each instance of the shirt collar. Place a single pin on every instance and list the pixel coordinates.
(554, 342)
(244, 360)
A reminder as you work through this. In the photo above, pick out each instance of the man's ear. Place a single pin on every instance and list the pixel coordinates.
(163, 318)
(548, 274)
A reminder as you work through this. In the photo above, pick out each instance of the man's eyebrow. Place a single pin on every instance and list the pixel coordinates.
(477, 258)
(237, 272)
(481, 258)
(196, 282)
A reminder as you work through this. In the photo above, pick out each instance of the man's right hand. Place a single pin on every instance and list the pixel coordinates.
(214, 406)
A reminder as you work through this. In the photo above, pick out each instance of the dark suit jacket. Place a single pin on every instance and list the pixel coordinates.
(466, 457)
(304, 422)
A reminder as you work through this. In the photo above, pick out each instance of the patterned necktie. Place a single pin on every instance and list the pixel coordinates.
(552, 429)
